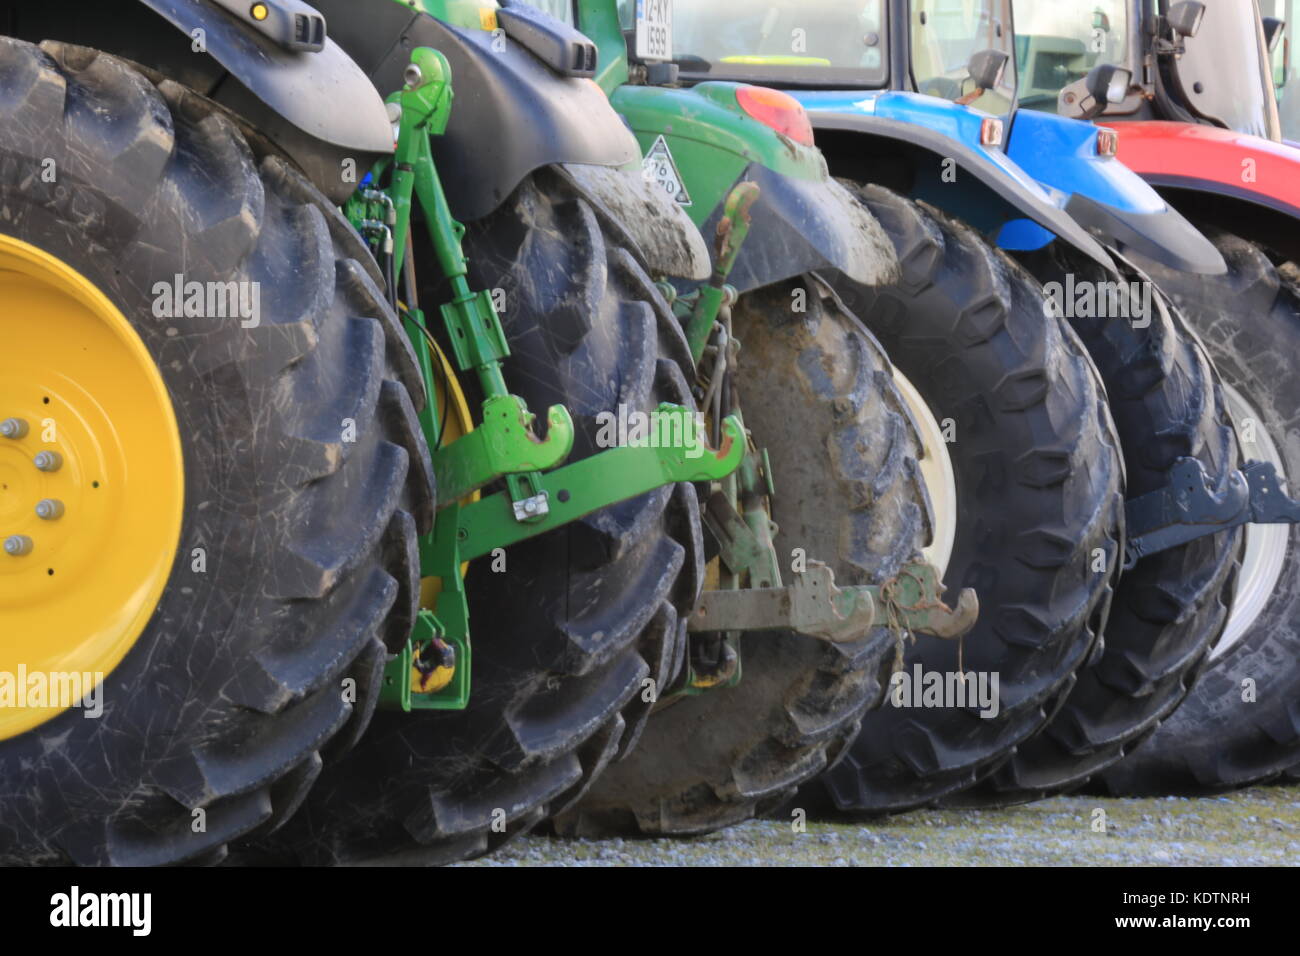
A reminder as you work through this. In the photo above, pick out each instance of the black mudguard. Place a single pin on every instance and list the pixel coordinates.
(319, 108)
(324, 94)
(512, 114)
(646, 216)
(1014, 201)
(1165, 236)
(804, 226)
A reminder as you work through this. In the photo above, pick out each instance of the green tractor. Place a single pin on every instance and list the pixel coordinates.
(854, 422)
(304, 334)
(832, 493)
(1043, 517)
(1022, 457)
(275, 350)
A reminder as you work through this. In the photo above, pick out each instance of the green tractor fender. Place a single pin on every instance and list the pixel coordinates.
(699, 144)
(315, 104)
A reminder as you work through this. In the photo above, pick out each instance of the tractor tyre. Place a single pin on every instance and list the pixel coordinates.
(1171, 607)
(818, 394)
(200, 337)
(1241, 722)
(568, 636)
(1039, 510)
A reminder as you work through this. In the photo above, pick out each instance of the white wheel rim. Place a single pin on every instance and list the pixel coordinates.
(937, 472)
(1266, 544)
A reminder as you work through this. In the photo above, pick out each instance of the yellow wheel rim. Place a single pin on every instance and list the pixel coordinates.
(456, 420)
(76, 590)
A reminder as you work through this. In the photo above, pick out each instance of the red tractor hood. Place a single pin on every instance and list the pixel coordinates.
(1211, 159)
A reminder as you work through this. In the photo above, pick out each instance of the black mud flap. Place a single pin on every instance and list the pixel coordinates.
(324, 93)
(646, 216)
(1165, 237)
(803, 226)
(1013, 198)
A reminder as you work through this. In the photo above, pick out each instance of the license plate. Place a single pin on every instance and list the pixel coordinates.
(654, 29)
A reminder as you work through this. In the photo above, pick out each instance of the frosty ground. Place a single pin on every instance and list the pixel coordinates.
(1255, 827)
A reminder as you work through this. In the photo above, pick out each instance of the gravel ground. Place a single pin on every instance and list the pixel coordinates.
(1256, 827)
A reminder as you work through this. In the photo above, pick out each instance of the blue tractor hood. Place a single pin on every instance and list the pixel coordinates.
(1105, 196)
(1048, 183)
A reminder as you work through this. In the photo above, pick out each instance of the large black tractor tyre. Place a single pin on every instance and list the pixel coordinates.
(567, 638)
(247, 668)
(1171, 607)
(1039, 492)
(1241, 722)
(818, 394)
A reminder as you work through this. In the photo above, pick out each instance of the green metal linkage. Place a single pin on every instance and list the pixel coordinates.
(425, 111)
(471, 318)
(537, 499)
(503, 444)
(448, 625)
(398, 691)
(602, 480)
(738, 547)
(764, 571)
(748, 553)
(733, 228)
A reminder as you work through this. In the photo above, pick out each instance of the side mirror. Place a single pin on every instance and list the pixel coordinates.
(1108, 84)
(987, 67)
(1273, 28)
(1185, 17)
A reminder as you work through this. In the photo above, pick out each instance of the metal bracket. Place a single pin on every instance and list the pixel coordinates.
(738, 546)
(504, 444)
(532, 508)
(475, 331)
(410, 671)
(578, 489)
(1188, 508)
(1269, 504)
(814, 606)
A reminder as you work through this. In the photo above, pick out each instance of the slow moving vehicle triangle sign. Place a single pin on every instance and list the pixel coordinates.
(660, 167)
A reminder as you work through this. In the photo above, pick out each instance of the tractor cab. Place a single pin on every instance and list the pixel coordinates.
(1191, 61)
(1280, 19)
(954, 49)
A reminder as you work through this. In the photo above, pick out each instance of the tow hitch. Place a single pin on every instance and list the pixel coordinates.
(1188, 508)
(813, 605)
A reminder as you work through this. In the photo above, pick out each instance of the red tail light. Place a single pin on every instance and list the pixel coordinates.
(781, 111)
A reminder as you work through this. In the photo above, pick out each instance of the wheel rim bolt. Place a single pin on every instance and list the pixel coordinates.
(49, 509)
(48, 461)
(18, 545)
(13, 428)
